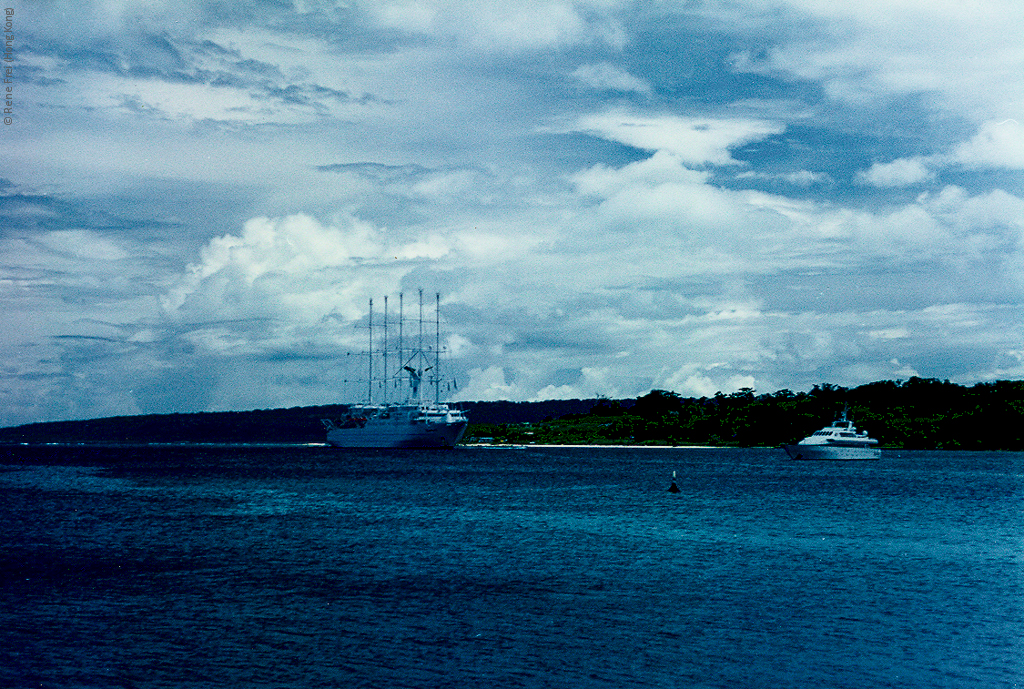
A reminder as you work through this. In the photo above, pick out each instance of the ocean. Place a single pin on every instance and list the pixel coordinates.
(280, 567)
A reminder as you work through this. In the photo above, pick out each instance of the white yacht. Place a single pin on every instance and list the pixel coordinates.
(413, 422)
(841, 440)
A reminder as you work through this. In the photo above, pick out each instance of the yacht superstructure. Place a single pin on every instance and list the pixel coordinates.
(841, 440)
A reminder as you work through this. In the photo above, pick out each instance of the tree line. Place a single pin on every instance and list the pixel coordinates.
(919, 413)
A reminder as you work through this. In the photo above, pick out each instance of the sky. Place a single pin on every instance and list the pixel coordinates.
(200, 197)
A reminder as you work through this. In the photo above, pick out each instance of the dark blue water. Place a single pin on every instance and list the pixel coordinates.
(311, 567)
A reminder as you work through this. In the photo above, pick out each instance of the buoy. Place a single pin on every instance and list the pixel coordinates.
(673, 488)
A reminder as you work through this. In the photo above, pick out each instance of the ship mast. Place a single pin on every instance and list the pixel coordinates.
(401, 343)
(413, 370)
(437, 347)
(419, 361)
(369, 358)
(384, 375)
(420, 343)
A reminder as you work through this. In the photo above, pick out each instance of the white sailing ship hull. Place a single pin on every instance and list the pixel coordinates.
(393, 433)
(398, 426)
(800, 451)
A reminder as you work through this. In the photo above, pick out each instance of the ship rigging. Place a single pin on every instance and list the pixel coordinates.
(410, 422)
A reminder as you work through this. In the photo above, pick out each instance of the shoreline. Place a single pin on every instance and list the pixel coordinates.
(520, 446)
(489, 446)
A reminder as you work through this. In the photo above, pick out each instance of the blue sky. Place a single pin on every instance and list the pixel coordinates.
(199, 198)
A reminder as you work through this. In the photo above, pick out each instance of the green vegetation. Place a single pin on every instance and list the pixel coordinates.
(915, 414)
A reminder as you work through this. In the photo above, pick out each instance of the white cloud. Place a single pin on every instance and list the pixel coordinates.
(960, 55)
(416, 139)
(694, 140)
(706, 380)
(297, 268)
(86, 245)
(898, 333)
(676, 212)
(506, 26)
(898, 173)
(800, 178)
(663, 167)
(605, 76)
(489, 385)
(996, 145)
(118, 21)
(411, 16)
(594, 382)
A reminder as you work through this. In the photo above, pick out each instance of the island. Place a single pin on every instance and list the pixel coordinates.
(919, 413)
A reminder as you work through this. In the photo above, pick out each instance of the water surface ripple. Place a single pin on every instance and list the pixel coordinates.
(544, 567)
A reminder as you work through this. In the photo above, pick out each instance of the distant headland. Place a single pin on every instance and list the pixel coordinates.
(918, 413)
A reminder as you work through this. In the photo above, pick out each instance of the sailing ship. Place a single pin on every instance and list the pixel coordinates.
(413, 422)
(841, 440)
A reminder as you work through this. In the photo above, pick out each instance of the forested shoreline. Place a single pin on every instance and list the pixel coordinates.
(918, 413)
(915, 414)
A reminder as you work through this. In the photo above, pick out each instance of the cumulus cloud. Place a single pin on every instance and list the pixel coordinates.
(484, 150)
(996, 145)
(681, 212)
(593, 381)
(706, 380)
(295, 267)
(489, 384)
(898, 173)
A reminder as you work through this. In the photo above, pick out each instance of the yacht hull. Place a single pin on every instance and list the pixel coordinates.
(799, 451)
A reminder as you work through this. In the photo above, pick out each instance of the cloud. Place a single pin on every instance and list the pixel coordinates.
(74, 302)
(799, 178)
(489, 384)
(610, 196)
(83, 244)
(494, 25)
(695, 141)
(607, 77)
(996, 145)
(681, 213)
(190, 74)
(706, 380)
(898, 173)
(956, 55)
(295, 268)
(116, 22)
